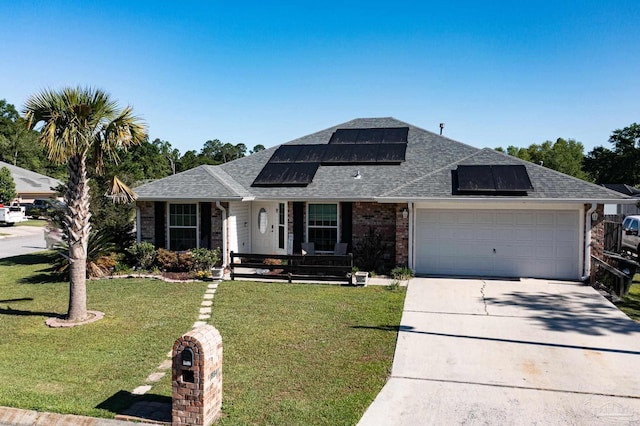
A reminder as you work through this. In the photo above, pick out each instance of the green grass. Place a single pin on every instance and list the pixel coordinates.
(293, 353)
(630, 304)
(77, 370)
(33, 222)
(301, 354)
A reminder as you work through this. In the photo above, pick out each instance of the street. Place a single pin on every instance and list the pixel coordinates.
(18, 240)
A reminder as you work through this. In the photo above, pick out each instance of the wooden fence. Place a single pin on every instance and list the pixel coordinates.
(612, 236)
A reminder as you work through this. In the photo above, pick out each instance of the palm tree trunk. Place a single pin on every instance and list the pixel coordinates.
(78, 226)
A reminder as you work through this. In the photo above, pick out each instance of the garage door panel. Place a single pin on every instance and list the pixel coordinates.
(525, 219)
(527, 243)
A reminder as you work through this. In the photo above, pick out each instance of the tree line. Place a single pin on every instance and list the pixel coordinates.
(147, 161)
(618, 164)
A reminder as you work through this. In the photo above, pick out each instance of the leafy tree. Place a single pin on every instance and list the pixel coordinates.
(257, 148)
(563, 155)
(19, 145)
(620, 164)
(81, 125)
(7, 186)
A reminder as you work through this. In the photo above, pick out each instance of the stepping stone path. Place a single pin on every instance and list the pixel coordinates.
(160, 412)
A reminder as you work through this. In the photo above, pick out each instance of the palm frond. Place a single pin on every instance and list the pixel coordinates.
(120, 192)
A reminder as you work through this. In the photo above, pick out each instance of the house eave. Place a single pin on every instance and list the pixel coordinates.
(514, 200)
(190, 199)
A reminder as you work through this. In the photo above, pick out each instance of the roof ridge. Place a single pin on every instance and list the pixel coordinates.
(411, 182)
(227, 181)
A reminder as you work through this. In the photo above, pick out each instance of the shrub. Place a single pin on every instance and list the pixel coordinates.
(144, 254)
(369, 252)
(205, 259)
(100, 261)
(185, 262)
(167, 260)
(174, 261)
(401, 273)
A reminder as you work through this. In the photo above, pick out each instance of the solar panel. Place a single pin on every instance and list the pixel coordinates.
(395, 135)
(285, 154)
(286, 174)
(475, 178)
(511, 178)
(296, 165)
(311, 153)
(364, 153)
(300, 173)
(391, 152)
(344, 136)
(368, 136)
(336, 154)
(494, 178)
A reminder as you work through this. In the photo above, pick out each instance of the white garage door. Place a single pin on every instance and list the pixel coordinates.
(501, 243)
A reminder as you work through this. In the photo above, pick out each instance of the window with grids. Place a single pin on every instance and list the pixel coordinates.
(183, 226)
(322, 222)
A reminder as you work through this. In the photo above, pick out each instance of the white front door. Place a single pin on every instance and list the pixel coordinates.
(269, 228)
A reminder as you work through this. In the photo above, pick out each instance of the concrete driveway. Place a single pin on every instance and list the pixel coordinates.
(19, 240)
(491, 352)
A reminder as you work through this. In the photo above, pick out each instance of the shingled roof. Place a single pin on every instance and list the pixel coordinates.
(28, 182)
(425, 174)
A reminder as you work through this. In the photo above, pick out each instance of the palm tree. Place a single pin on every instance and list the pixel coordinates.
(81, 124)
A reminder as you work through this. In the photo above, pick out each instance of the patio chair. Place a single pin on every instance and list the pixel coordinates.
(308, 249)
(340, 249)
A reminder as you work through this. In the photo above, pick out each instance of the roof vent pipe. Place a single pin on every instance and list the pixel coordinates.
(441, 128)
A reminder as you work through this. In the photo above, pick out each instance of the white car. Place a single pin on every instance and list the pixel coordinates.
(630, 237)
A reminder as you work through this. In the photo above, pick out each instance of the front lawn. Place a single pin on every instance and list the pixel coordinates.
(75, 370)
(293, 353)
(301, 354)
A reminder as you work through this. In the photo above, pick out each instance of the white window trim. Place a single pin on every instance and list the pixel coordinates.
(284, 225)
(169, 227)
(337, 227)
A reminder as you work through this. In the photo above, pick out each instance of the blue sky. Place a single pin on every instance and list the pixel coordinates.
(497, 74)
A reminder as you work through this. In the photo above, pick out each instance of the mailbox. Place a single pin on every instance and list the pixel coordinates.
(187, 357)
(197, 377)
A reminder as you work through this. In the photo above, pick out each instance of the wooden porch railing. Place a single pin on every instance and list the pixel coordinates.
(293, 267)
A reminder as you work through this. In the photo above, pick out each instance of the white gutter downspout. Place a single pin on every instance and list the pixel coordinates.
(225, 254)
(587, 242)
(410, 254)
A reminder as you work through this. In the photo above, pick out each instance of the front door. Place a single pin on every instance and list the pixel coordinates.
(269, 228)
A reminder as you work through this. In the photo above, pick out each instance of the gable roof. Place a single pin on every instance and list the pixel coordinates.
(28, 182)
(425, 174)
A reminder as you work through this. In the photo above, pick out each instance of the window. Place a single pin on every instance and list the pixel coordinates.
(262, 220)
(322, 228)
(183, 226)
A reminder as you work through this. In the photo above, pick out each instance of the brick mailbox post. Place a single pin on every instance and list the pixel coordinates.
(197, 377)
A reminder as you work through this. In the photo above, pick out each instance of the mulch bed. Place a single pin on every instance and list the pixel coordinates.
(178, 276)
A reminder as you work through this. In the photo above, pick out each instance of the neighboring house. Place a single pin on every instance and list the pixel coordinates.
(441, 207)
(31, 185)
(623, 209)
